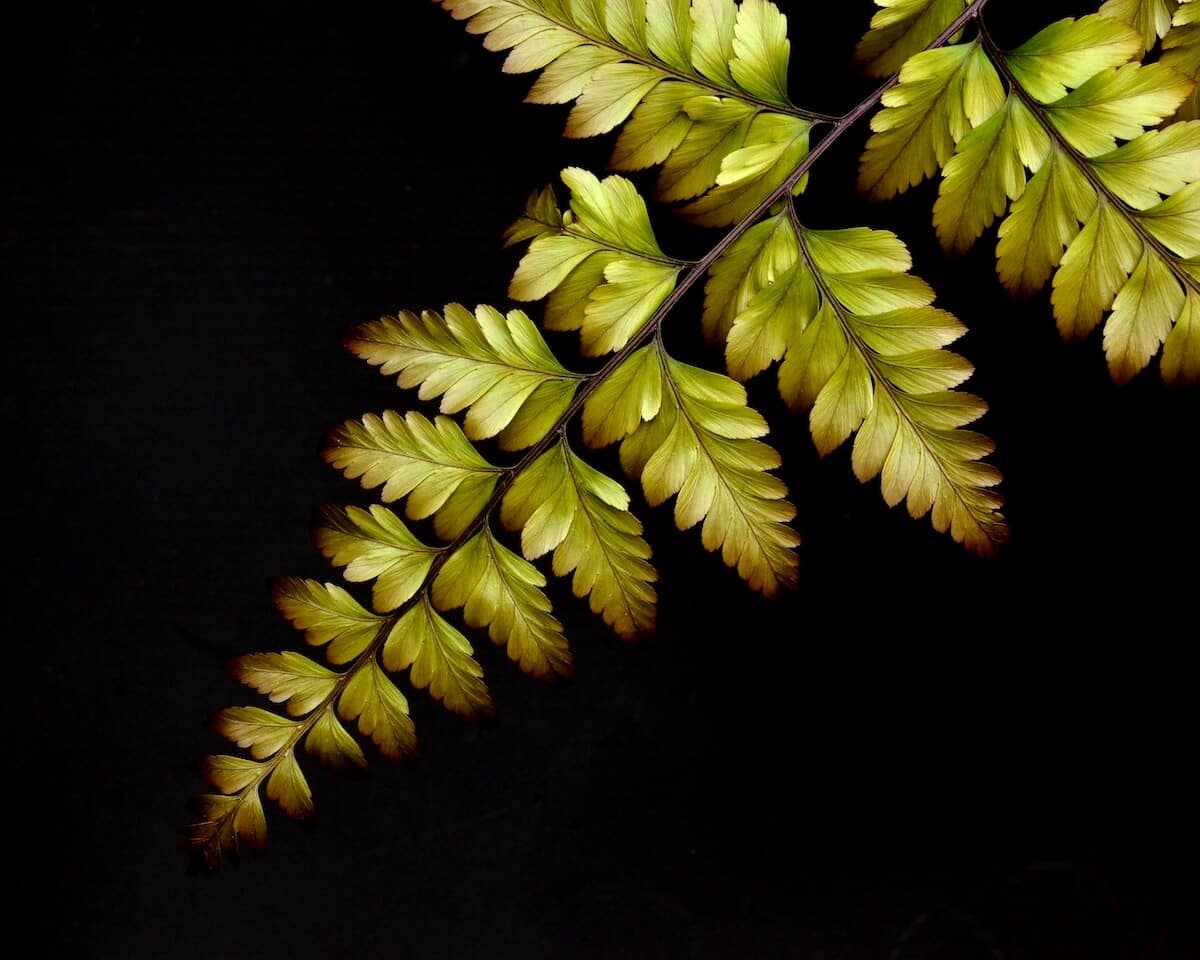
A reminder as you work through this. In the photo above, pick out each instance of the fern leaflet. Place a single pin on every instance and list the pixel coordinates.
(700, 87)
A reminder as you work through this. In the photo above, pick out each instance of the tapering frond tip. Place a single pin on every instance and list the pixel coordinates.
(223, 826)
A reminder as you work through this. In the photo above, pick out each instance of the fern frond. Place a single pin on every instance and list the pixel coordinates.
(431, 463)
(857, 337)
(501, 590)
(700, 87)
(1106, 206)
(861, 350)
(315, 697)
(1150, 19)
(901, 28)
(374, 544)
(599, 262)
(496, 367)
(561, 504)
(688, 433)
(1181, 52)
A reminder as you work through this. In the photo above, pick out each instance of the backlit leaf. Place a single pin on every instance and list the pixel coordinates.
(490, 364)
(561, 504)
(501, 590)
(430, 462)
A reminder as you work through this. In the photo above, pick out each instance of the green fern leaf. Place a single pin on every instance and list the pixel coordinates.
(287, 677)
(985, 173)
(941, 94)
(603, 269)
(431, 463)
(1095, 266)
(1181, 352)
(1151, 19)
(1108, 209)
(288, 787)
(1066, 54)
(1181, 52)
(561, 503)
(441, 659)
(701, 88)
(375, 544)
(1043, 221)
(332, 745)
(381, 710)
(261, 732)
(500, 590)
(861, 348)
(746, 268)
(230, 774)
(1156, 164)
(772, 147)
(328, 616)
(687, 433)
(1116, 105)
(496, 367)
(902, 28)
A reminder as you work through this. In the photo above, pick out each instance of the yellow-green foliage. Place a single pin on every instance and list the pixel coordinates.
(1061, 134)
(700, 88)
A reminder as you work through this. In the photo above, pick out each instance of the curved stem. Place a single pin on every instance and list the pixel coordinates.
(557, 432)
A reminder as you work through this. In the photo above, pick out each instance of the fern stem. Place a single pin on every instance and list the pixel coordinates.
(1084, 164)
(694, 78)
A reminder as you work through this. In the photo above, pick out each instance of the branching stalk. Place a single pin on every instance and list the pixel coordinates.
(591, 382)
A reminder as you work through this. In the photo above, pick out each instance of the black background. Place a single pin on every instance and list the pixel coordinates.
(916, 751)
